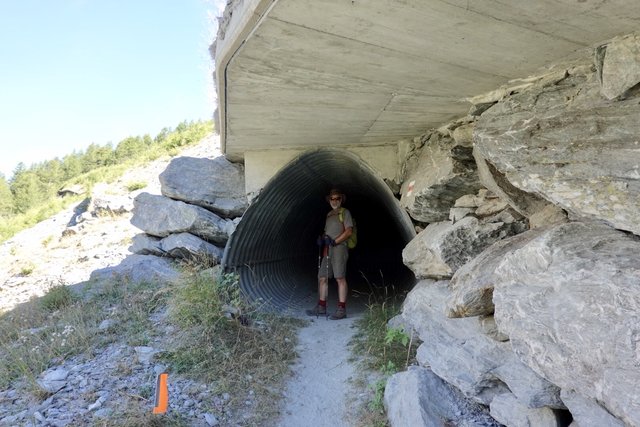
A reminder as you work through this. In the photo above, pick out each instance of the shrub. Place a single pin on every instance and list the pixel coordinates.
(383, 349)
(57, 297)
(137, 185)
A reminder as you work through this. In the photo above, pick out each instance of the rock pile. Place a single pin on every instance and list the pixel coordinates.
(529, 295)
(201, 203)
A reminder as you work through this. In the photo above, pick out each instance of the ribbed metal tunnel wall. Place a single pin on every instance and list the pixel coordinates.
(273, 248)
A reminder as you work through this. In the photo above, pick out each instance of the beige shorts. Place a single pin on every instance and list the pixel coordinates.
(338, 256)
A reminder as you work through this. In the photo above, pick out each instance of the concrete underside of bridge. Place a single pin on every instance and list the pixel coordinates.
(293, 76)
(309, 73)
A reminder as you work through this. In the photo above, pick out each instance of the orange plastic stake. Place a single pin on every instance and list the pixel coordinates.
(162, 394)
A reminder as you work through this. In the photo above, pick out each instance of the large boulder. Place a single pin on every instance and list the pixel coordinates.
(145, 244)
(442, 248)
(619, 65)
(138, 269)
(472, 284)
(509, 411)
(215, 184)
(527, 204)
(459, 352)
(588, 413)
(180, 245)
(444, 171)
(569, 144)
(408, 399)
(188, 246)
(569, 301)
(160, 216)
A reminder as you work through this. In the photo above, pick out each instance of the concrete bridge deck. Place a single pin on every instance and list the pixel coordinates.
(299, 74)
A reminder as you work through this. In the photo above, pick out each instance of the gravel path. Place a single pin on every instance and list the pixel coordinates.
(319, 391)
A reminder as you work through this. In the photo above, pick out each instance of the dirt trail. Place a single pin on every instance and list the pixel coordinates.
(320, 390)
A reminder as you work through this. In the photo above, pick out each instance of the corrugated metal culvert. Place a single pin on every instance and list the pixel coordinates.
(274, 246)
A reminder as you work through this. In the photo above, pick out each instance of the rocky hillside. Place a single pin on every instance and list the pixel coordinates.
(68, 247)
(117, 380)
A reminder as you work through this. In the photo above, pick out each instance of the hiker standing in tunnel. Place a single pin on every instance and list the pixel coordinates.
(334, 255)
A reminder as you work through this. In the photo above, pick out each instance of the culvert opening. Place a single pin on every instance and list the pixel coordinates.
(274, 246)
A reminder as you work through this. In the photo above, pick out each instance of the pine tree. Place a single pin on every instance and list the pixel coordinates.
(6, 197)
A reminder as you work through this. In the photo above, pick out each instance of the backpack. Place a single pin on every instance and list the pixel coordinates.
(352, 241)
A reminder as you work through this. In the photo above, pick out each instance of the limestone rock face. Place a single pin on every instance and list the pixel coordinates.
(472, 285)
(459, 352)
(160, 216)
(506, 409)
(619, 65)
(408, 398)
(444, 171)
(215, 184)
(441, 248)
(145, 244)
(586, 412)
(188, 246)
(527, 204)
(569, 145)
(570, 303)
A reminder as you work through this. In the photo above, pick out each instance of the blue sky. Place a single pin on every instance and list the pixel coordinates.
(76, 72)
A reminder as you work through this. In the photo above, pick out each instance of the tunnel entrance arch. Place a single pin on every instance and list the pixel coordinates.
(273, 248)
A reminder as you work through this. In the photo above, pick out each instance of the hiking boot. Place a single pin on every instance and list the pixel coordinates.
(340, 313)
(318, 310)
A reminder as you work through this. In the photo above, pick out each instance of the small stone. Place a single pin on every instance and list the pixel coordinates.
(106, 324)
(59, 374)
(145, 354)
(53, 381)
(103, 413)
(211, 420)
(159, 369)
(98, 403)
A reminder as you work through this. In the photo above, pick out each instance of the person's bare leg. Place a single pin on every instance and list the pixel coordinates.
(341, 311)
(343, 289)
(321, 306)
(323, 288)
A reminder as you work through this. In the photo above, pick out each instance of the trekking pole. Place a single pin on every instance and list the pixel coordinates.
(326, 314)
(320, 248)
(320, 243)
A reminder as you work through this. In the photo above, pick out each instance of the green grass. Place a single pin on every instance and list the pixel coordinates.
(383, 350)
(9, 227)
(136, 185)
(226, 342)
(217, 339)
(56, 298)
(27, 269)
(61, 323)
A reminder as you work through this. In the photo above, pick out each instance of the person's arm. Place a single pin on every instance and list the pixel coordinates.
(344, 235)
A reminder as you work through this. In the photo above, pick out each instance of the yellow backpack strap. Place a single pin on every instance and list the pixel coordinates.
(341, 215)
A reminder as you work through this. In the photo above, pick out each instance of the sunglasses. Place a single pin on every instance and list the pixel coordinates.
(335, 199)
